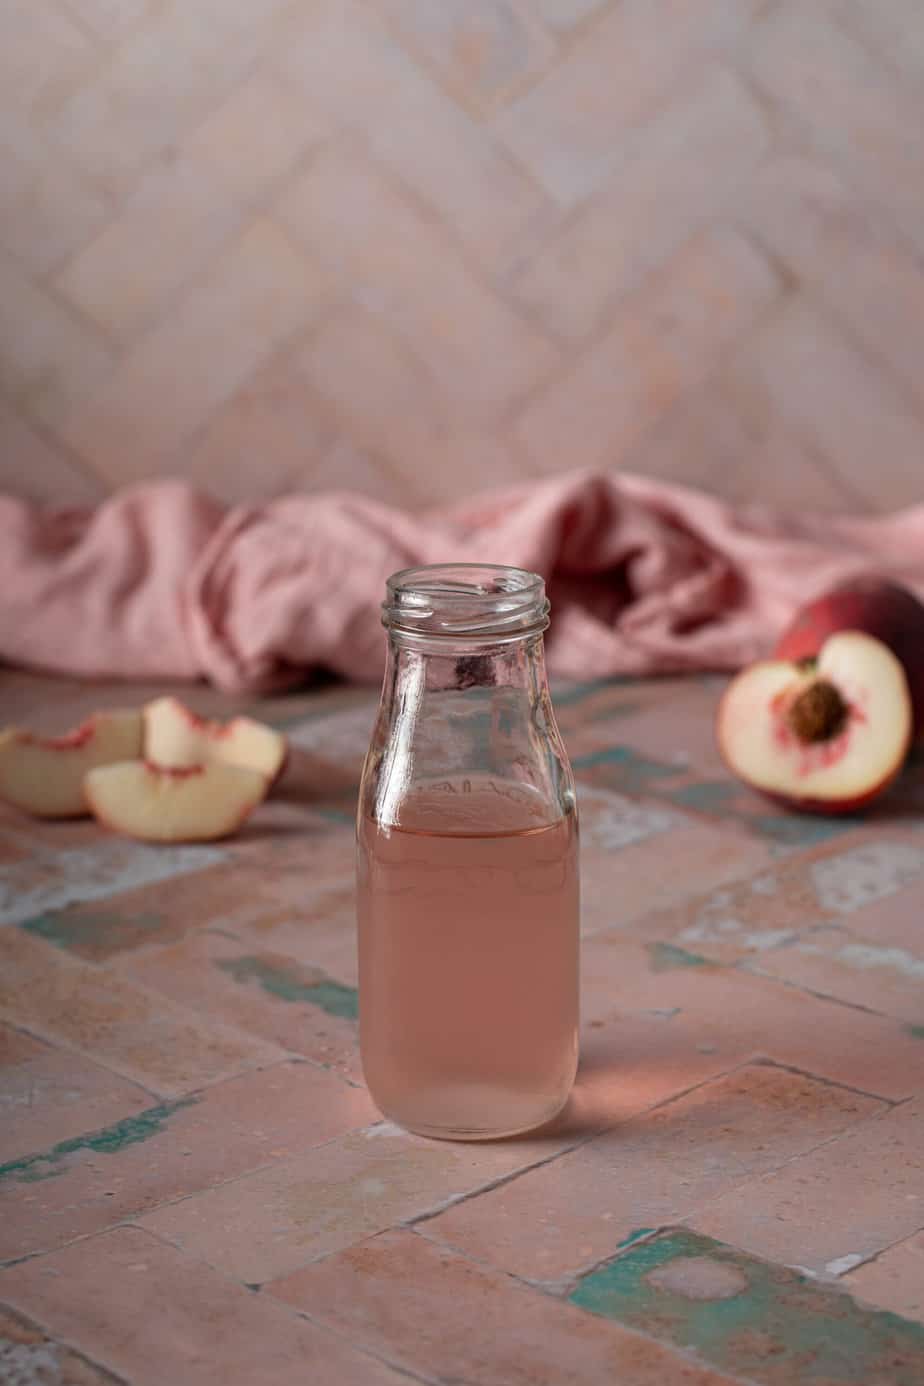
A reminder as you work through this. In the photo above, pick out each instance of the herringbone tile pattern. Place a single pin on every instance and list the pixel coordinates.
(419, 246)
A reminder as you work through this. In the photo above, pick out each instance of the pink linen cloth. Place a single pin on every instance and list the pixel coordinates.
(645, 577)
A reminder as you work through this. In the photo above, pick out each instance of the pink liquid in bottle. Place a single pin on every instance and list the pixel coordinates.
(468, 954)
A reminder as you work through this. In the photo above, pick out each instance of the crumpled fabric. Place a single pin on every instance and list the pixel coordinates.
(645, 577)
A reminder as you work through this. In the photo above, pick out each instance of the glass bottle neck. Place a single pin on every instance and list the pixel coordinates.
(439, 666)
(465, 704)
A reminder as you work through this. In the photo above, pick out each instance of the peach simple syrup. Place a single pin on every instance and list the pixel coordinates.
(467, 864)
(469, 958)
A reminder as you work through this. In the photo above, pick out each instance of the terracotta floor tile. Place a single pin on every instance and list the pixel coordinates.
(739, 918)
(620, 886)
(154, 1316)
(55, 1095)
(831, 881)
(894, 1280)
(272, 1222)
(703, 1009)
(894, 922)
(656, 1168)
(68, 862)
(16, 1047)
(835, 1206)
(145, 1038)
(683, 733)
(425, 1306)
(169, 1150)
(632, 1064)
(152, 1007)
(839, 963)
(28, 1355)
(152, 915)
(260, 991)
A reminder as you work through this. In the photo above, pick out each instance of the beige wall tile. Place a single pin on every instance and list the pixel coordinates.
(162, 78)
(258, 133)
(474, 266)
(47, 209)
(110, 19)
(805, 374)
(346, 467)
(399, 266)
(853, 110)
(355, 71)
(386, 398)
(564, 14)
(719, 439)
(677, 174)
(483, 53)
(43, 56)
(271, 436)
(892, 26)
(382, 390)
(664, 342)
(849, 252)
(259, 292)
(169, 228)
(49, 359)
(568, 129)
(34, 468)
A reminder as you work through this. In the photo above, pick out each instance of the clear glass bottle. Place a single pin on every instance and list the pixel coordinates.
(467, 876)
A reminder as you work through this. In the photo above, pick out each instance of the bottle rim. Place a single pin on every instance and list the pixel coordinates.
(457, 601)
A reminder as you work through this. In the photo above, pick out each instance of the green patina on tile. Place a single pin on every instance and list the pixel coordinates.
(336, 815)
(625, 756)
(108, 1141)
(336, 999)
(622, 769)
(708, 796)
(915, 1031)
(285, 981)
(764, 1322)
(795, 830)
(96, 933)
(565, 694)
(667, 957)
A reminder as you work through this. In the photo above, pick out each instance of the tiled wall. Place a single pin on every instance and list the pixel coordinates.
(417, 246)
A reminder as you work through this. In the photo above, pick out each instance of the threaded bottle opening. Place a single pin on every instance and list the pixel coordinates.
(466, 601)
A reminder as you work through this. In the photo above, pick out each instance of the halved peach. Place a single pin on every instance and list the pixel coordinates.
(824, 735)
(886, 610)
(44, 775)
(196, 803)
(175, 737)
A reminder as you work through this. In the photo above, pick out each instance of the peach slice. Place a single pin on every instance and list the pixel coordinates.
(44, 775)
(197, 803)
(825, 735)
(175, 737)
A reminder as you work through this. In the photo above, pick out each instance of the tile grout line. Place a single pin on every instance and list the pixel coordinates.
(753, 970)
(130, 1219)
(844, 1279)
(181, 1100)
(768, 1061)
(431, 1213)
(258, 1288)
(51, 1334)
